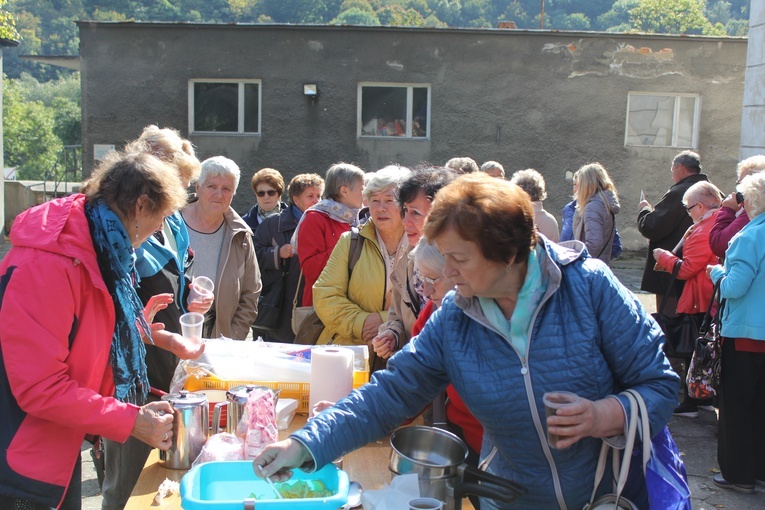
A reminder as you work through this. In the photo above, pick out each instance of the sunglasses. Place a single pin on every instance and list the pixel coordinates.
(271, 193)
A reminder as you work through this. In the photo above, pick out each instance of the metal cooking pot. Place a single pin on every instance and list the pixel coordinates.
(236, 403)
(438, 458)
(190, 429)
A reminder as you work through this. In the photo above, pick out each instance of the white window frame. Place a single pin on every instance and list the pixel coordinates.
(240, 110)
(675, 118)
(409, 94)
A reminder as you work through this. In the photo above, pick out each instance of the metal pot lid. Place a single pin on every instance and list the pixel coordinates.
(239, 394)
(185, 398)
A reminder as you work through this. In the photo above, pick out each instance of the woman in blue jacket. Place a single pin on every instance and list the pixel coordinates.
(527, 317)
(740, 447)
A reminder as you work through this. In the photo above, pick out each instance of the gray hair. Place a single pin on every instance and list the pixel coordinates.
(531, 182)
(753, 189)
(219, 166)
(704, 192)
(384, 178)
(339, 175)
(426, 256)
(690, 160)
(750, 166)
(493, 164)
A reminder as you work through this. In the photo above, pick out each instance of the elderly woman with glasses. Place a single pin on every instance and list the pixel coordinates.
(224, 251)
(268, 186)
(740, 447)
(527, 317)
(702, 201)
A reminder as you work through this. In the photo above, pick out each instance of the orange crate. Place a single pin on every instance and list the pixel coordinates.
(300, 391)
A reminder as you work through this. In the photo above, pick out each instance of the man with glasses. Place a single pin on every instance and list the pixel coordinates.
(664, 225)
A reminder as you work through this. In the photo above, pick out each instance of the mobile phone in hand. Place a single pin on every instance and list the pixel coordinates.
(739, 197)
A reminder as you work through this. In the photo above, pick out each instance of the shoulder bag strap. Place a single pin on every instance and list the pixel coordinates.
(675, 270)
(354, 252)
(297, 292)
(708, 314)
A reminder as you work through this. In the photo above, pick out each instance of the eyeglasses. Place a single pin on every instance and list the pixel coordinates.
(271, 193)
(689, 207)
(431, 281)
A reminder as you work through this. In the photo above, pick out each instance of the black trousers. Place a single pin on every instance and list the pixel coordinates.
(72, 499)
(741, 441)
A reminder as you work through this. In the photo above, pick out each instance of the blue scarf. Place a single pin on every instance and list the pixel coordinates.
(116, 259)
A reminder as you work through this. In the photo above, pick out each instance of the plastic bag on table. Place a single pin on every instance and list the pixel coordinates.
(258, 422)
(223, 446)
(186, 369)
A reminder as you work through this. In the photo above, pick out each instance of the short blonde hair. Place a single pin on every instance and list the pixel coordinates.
(166, 144)
(753, 189)
(750, 166)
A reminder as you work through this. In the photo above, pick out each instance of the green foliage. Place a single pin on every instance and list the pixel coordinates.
(30, 141)
(396, 15)
(7, 23)
(356, 16)
(617, 16)
(575, 21)
(673, 17)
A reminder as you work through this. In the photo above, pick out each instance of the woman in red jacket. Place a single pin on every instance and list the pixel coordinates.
(702, 201)
(321, 225)
(71, 345)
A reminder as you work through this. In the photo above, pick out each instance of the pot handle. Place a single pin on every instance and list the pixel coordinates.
(216, 416)
(484, 491)
(473, 474)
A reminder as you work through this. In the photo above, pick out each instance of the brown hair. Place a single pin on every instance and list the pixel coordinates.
(301, 182)
(122, 178)
(269, 176)
(167, 145)
(496, 215)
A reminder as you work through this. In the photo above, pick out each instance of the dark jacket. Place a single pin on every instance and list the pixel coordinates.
(161, 272)
(271, 235)
(664, 226)
(251, 216)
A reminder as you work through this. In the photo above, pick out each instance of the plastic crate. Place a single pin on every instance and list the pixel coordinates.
(300, 391)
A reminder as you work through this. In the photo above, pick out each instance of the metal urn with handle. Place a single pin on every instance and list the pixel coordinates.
(190, 429)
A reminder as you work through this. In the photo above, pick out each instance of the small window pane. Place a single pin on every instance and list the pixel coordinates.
(650, 120)
(419, 112)
(251, 114)
(383, 111)
(685, 122)
(216, 107)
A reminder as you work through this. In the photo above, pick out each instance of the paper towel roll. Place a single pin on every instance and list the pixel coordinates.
(331, 374)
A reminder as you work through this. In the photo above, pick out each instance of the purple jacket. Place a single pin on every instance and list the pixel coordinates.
(726, 226)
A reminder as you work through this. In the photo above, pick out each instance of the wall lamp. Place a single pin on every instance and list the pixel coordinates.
(311, 90)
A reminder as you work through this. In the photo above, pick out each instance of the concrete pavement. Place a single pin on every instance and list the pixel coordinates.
(695, 437)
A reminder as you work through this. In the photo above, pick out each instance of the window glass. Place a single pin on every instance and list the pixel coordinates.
(661, 120)
(216, 107)
(419, 112)
(251, 113)
(383, 111)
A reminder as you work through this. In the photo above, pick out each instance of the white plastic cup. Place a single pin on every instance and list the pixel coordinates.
(553, 401)
(191, 324)
(201, 287)
(425, 504)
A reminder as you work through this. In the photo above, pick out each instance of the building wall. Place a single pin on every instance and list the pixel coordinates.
(753, 116)
(548, 100)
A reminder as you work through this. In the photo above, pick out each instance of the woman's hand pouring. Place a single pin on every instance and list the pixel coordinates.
(154, 425)
(278, 459)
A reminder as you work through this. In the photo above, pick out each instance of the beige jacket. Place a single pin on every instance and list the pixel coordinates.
(238, 286)
(401, 318)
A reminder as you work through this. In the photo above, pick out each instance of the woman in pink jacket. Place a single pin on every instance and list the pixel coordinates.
(71, 344)
(702, 201)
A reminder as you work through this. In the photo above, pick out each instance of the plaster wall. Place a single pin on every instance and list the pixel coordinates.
(548, 100)
(753, 115)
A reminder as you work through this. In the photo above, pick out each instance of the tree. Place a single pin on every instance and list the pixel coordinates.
(396, 15)
(355, 16)
(575, 21)
(673, 17)
(29, 140)
(7, 23)
(618, 16)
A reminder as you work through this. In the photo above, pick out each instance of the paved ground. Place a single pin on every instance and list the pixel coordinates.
(695, 437)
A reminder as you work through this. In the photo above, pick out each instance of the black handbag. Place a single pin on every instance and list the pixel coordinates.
(703, 377)
(680, 330)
